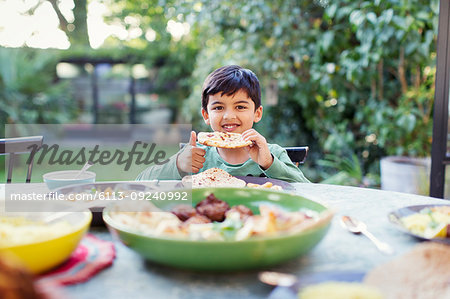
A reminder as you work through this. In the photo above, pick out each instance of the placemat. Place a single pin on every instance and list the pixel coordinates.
(91, 256)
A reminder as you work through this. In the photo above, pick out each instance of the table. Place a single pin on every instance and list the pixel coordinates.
(132, 277)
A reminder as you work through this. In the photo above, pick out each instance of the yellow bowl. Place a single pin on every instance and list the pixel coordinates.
(41, 256)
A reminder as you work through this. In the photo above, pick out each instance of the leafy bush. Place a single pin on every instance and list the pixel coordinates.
(28, 91)
(351, 76)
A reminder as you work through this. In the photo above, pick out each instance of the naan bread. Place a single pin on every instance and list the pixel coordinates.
(213, 177)
(221, 139)
(423, 272)
(266, 185)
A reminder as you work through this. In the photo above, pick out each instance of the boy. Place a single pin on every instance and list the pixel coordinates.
(231, 102)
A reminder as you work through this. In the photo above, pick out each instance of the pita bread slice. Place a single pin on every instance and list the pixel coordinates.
(222, 139)
(213, 177)
(423, 272)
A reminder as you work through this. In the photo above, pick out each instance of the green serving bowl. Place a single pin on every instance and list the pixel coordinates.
(255, 252)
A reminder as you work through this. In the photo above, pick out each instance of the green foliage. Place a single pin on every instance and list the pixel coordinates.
(345, 170)
(352, 78)
(28, 91)
(350, 74)
(406, 129)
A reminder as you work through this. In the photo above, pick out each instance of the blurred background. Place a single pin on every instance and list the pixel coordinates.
(353, 80)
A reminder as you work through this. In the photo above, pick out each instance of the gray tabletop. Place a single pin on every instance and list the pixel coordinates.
(132, 277)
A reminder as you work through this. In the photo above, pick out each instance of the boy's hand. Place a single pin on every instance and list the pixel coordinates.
(258, 151)
(191, 158)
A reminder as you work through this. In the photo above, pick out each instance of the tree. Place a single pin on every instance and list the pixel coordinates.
(76, 29)
(170, 60)
(351, 75)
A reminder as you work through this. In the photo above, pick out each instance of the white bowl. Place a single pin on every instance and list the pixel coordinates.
(57, 179)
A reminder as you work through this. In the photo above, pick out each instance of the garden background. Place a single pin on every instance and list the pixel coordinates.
(353, 80)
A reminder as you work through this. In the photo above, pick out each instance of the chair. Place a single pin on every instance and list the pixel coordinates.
(297, 154)
(19, 145)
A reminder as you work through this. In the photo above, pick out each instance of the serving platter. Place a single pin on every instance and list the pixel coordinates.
(256, 180)
(395, 218)
(219, 256)
(145, 186)
(97, 209)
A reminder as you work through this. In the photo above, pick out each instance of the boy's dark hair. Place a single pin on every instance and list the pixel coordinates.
(229, 80)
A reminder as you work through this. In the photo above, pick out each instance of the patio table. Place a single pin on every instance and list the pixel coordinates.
(131, 276)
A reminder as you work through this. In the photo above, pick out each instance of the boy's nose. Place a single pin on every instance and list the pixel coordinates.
(229, 115)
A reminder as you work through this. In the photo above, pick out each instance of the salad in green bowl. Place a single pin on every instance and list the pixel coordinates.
(223, 229)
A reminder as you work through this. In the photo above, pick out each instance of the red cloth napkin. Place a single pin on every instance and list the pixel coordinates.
(91, 256)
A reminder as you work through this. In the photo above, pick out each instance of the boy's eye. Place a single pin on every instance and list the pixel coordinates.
(217, 108)
(241, 107)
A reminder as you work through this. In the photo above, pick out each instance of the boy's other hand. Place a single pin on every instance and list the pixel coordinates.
(191, 158)
(259, 150)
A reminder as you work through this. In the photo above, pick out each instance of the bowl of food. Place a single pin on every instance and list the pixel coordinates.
(426, 222)
(97, 195)
(58, 179)
(223, 229)
(39, 245)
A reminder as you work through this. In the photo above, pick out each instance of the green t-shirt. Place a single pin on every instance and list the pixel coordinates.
(282, 167)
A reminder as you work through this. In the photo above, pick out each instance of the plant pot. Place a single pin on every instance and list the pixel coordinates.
(405, 174)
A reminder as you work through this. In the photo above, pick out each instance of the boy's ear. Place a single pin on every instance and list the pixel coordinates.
(258, 114)
(205, 116)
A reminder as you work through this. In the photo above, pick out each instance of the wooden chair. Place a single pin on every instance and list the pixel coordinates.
(297, 154)
(16, 146)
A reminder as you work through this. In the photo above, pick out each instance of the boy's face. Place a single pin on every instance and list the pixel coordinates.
(235, 113)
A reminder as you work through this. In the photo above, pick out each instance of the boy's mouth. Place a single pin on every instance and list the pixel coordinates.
(230, 127)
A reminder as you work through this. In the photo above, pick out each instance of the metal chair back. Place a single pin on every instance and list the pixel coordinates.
(297, 154)
(20, 145)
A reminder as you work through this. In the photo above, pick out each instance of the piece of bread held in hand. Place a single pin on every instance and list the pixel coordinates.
(222, 139)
